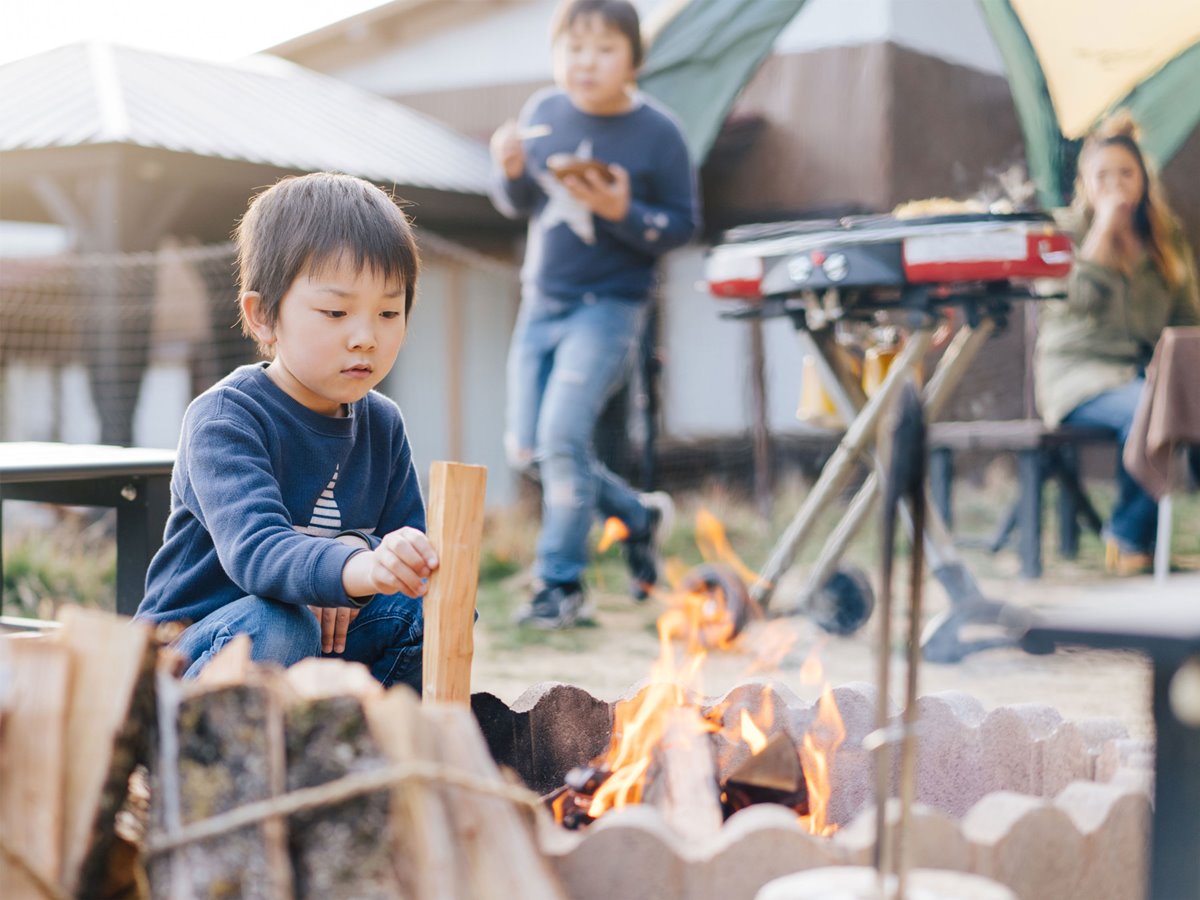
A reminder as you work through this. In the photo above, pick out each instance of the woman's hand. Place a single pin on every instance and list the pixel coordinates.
(1113, 214)
(607, 199)
(402, 562)
(507, 149)
(1111, 240)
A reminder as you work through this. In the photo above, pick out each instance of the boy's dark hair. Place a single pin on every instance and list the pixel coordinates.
(303, 222)
(618, 14)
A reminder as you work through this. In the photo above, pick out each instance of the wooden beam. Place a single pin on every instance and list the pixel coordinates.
(59, 204)
(456, 497)
(160, 213)
(455, 356)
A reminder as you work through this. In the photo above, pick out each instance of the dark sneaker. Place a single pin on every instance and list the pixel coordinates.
(643, 551)
(553, 606)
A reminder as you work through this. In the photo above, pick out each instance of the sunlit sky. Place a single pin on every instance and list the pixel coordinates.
(220, 30)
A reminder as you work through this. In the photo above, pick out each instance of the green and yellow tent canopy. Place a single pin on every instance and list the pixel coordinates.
(1069, 63)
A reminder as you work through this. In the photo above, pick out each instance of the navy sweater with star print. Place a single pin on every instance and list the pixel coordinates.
(571, 251)
(261, 486)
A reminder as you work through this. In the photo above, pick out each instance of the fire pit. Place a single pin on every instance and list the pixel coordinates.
(664, 794)
(1053, 809)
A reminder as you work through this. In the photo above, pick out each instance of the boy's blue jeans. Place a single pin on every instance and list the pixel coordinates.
(1134, 520)
(386, 636)
(566, 358)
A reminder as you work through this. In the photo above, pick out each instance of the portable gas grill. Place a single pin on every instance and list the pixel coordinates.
(832, 276)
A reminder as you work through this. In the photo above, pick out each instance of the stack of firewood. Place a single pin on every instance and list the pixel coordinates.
(75, 703)
(312, 782)
(315, 782)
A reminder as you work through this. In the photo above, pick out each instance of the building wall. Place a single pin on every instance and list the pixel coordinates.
(823, 141)
(449, 378)
(953, 128)
(474, 111)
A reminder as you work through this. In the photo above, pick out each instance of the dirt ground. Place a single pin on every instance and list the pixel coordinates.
(614, 655)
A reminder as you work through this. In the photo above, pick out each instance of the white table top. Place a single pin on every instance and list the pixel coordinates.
(23, 461)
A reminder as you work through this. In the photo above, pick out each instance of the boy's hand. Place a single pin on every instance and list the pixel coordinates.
(403, 562)
(335, 622)
(607, 199)
(508, 151)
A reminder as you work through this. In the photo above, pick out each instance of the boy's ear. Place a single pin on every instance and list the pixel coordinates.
(252, 315)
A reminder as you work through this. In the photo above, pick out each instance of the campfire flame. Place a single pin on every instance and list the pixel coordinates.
(692, 623)
(773, 644)
(714, 545)
(820, 742)
(614, 531)
(641, 721)
(811, 671)
(699, 618)
(754, 738)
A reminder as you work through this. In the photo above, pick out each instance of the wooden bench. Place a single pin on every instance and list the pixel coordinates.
(1042, 453)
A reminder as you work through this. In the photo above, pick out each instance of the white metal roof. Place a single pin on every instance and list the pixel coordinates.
(264, 110)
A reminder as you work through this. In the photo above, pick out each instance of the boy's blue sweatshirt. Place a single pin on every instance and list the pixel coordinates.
(261, 486)
(571, 251)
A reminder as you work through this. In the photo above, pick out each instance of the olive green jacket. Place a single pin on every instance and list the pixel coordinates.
(1104, 333)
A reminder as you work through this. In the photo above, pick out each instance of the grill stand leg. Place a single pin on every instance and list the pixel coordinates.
(1029, 512)
(941, 641)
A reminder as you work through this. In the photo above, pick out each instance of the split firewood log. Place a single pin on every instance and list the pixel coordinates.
(493, 837)
(423, 842)
(344, 849)
(109, 714)
(682, 779)
(217, 750)
(33, 713)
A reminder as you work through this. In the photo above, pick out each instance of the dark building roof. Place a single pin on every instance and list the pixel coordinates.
(265, 111)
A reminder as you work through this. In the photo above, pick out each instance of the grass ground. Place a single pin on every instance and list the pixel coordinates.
(71, 558)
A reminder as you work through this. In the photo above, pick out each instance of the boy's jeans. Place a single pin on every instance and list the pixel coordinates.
(1135, 516)
(386, 636)
(566, 358)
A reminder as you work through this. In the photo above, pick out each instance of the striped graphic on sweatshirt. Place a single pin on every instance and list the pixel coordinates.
(326, 517)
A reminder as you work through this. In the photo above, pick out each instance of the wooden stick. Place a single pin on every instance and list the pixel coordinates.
(456, 495)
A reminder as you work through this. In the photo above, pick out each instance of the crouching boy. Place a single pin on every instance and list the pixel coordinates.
(296, 515)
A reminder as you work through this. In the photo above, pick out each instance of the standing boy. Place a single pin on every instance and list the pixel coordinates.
(296, 515)
(594, 238)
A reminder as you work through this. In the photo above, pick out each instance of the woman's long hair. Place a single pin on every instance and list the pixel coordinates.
(1153, 219)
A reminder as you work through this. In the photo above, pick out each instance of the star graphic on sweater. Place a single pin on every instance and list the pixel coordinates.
(562, 207)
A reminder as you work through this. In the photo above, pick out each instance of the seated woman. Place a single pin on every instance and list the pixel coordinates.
(1134, 275)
